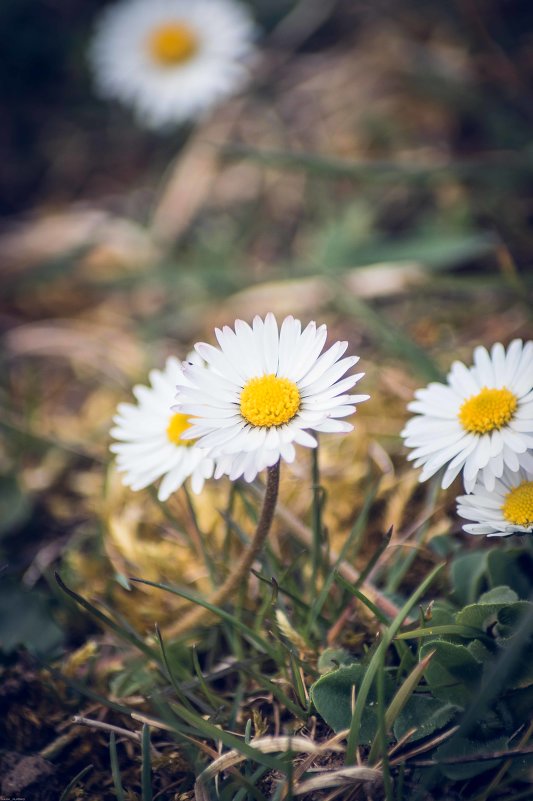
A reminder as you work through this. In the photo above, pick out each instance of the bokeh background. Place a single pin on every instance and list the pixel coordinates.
(376, 174)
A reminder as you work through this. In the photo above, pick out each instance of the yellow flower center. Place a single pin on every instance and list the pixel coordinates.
(172, 43)
(518, 506)
(179, 423)
(269, 401)
(489, 409)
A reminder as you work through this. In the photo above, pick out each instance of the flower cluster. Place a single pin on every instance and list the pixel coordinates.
(481, 423)
(239, 408)
(171, 60)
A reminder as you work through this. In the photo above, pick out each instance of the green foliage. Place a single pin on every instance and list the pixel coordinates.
(425, 714)
(463, 747)
(454, 673)
(465, 664)
(27, 621)
(332, 696)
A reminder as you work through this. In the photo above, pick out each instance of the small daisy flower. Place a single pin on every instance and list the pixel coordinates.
(150, 438)
(263, 389)
(506, 510)
(171, 60)
(480, 422)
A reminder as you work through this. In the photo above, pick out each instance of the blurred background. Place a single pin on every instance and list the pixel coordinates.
(376, 174)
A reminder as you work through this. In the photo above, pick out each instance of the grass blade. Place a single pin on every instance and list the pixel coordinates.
(132, 639)
(318, 605)
(115, 768)
(73, 782)
(388, 636)
(258, 641)
(399, 701)
(468, 632)
(146, 767)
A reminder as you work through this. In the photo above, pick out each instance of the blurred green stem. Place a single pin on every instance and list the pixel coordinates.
(316, 550)
(240, 573)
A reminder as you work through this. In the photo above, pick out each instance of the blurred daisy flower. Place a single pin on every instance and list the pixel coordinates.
(480, 422)
(171, 60)
(263, 389)
(150, 438)
(506, 510)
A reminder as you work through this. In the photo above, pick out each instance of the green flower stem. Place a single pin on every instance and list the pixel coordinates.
(240, 573)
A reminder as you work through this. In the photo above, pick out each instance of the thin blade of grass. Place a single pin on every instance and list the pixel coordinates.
(357, 528)
(382, 734)
(299, 685)
(399, 701)
(388, 636)
(468, 632)
(211, 698)
(212, 732)
(182, 696)
(278, 693)
(115, 768)
(376, 611)
(258, 641)
(316, 521)
(124, 634)
(391, 338)
(73, 782)
(146, 767)
(491, 166)
(86, 692)
(402, 566)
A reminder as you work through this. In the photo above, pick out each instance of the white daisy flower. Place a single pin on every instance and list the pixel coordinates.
(506, 510)
(151, 444)
(480, 422)
(263, 389)
(171, 60)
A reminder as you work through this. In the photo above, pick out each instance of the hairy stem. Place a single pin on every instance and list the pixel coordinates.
(242, 569)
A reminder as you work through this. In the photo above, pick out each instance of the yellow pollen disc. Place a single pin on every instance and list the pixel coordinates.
(518, 506)
(172, 44)
(179, 423)
(269, 401)
(489, 409)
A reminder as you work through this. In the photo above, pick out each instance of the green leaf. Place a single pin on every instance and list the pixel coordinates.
(509, 617)
(498, 595)
(442, 613)
(520, 703)
(331, 695)
(513, 568)
(401, 698)
(332, 658)
(453, 674)
(133, 680)
(459, 747)
(424, 713)
(26, 621)
(483, 613)
(15, 505)
(468, 576)
(480, 651)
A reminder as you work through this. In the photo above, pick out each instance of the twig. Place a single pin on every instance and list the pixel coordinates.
(98, 724)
